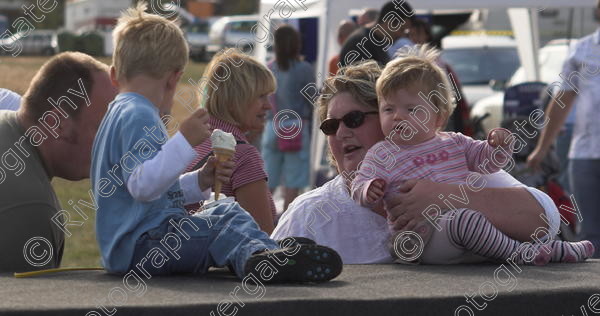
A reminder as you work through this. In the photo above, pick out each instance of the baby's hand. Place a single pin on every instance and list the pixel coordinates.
(376, 190)
(498, 136)
(195, 128)
(213, 169)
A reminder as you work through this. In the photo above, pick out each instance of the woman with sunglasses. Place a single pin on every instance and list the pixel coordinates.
(328, 215)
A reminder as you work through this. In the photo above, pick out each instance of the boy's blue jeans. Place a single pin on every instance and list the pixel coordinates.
(223, 235)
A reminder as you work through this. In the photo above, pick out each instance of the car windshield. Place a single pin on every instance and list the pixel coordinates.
(480, 65)
(551, 62)
(201, 27)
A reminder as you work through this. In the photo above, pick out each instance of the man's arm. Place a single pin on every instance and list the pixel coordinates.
(557, 113)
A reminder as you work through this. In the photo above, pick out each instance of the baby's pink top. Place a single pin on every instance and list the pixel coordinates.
(446, 158)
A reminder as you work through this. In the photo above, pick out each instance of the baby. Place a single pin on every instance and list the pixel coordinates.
(414, 105)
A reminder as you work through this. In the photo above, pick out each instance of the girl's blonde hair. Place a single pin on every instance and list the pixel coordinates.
(231, 81)
(417, 68)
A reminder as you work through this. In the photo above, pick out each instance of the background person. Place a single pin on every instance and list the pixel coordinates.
(329, 216)
(375, 41)
(27, 200)
(291, 74)
(238, 105)
(367, 17)
(581, 88)
(420, 32)
(344, 30)
(9, 100)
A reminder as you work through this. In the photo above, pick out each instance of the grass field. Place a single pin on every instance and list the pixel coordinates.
(80, 248)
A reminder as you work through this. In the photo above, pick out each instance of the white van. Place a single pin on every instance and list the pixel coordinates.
(229, 30)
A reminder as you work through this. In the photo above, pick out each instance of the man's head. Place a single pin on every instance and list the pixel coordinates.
(344, 30)
(147, 44)
(66, 100)
(397, 10)
(368, 16)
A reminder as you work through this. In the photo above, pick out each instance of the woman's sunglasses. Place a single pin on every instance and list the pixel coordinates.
(352, 119)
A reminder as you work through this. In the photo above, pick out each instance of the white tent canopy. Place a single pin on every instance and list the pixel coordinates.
(331, 12)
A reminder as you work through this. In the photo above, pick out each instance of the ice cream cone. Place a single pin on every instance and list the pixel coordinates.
(222, 155)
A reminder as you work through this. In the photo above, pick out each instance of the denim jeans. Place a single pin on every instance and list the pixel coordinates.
(584, 175)
(223, 235)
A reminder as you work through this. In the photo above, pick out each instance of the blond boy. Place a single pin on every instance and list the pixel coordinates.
(137, 175)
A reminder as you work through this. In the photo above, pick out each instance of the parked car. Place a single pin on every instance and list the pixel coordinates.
(479, 59)
(229, 30)
(551, 58)
(38, 42)
(198, 40)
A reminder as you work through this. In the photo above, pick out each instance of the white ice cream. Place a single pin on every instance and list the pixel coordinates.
(223, 140)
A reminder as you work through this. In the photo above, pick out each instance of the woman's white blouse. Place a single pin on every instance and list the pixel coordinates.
(331, 218)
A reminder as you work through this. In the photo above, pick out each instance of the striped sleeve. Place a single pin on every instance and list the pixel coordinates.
(480, 155)
(249, 167)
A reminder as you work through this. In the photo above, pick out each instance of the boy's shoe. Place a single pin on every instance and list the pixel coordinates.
(300, 263)
(292, 241)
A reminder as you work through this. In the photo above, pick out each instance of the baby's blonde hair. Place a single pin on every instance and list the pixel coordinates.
(417, 68)
(231, 81)
(147, 44)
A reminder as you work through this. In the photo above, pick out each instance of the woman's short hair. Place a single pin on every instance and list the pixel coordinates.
(357, 79)
(231, 81)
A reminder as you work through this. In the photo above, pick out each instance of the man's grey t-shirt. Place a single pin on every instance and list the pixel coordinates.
(27, 204)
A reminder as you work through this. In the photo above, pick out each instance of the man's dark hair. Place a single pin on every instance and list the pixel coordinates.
(401, 7)
(59, 74)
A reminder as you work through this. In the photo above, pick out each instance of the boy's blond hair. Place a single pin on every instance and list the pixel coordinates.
(231, 81)
(147, 44)
(416, 68)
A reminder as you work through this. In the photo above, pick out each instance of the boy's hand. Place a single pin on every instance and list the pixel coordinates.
(195, 128)
(498, 136)
(376, 190)
(210, 171)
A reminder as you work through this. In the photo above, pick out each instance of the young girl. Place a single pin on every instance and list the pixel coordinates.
(414, 105)
(235, 93)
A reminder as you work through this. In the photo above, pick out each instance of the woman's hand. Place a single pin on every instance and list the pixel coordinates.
(405, 207)
(213, 170)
